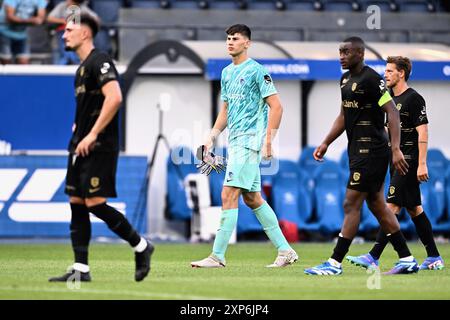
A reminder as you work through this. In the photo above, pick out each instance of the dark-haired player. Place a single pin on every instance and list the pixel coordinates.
(404, 190)
(252, 112)
(365, 100)
(94, 152)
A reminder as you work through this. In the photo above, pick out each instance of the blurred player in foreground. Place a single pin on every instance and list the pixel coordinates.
(94, 151)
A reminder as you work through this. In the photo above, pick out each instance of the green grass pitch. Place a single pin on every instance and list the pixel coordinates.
(24, 269)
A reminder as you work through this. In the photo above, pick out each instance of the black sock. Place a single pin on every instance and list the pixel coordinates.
(399, 243)
(80, 232)
(341, 248)
(425, 233)
(380, 243)
(117, 223)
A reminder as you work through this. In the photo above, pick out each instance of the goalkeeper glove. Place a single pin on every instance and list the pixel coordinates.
(209, 161)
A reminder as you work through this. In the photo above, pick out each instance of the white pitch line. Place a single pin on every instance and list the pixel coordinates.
(110, 292)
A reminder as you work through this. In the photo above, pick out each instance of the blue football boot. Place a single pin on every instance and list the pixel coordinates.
(432, 263)
(324, 269)
(404, 267)
(366, 261)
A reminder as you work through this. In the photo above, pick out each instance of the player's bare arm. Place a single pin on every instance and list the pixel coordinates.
(422, 169)
(398, 160)
(111, 104)
(336, 130)
(273, 124)
(219, 126)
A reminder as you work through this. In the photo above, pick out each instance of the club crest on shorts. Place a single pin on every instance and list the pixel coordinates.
(391, 190)
(356, 176)
(95, 182)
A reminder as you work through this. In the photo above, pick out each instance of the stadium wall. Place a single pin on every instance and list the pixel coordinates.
(186, 122)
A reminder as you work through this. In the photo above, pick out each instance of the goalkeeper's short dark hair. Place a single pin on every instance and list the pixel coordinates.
(401, 63)
(239, 28)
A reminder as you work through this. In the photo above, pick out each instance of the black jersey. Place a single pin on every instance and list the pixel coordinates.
(95, 71)
(413, 113)
(363, 94)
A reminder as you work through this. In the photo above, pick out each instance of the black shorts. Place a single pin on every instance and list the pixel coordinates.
(404, 191)
(368, 174)
(92, 176)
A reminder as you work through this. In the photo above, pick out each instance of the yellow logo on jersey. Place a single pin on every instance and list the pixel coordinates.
(399, 106)
(354, 86)
(391, 190)
(95, 181)
(80, 89)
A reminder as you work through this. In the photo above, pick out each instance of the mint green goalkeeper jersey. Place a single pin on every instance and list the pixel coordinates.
(244, 88)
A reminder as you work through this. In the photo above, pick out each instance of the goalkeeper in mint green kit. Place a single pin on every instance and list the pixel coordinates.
(252, 112)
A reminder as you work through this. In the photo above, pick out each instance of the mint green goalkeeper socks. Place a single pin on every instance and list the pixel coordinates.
(228, 222)
(269, 221)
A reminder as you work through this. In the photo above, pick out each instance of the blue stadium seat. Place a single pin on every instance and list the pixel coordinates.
(417, 5)
(342, 5)
(261, 4)
(307, 182)
(223, 4)
(447, 191)
(433, 195)
(343, 161)
(145, 3)
(384, 5)
(305, 5)
(306, 160)
(329, 199)
(436, 160)
(443, 224)
(247, 221)
(179, 164)
(184, 4)
(291, 200)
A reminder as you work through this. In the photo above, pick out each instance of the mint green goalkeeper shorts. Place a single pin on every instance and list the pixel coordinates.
(243, 169)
